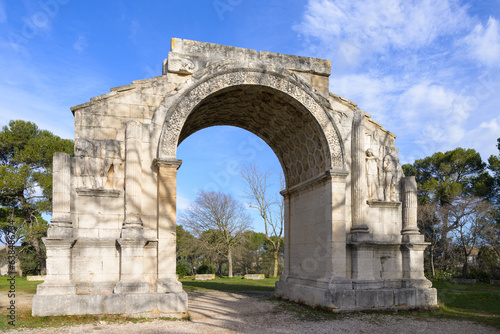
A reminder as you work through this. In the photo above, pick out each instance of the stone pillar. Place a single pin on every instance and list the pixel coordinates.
(413, 242)
(61, 226)
(362, 251)
(286, 210)
(409, 205)
(167, 196)
(59, 241)
(358, 173)
(132, 225)
(132, 240)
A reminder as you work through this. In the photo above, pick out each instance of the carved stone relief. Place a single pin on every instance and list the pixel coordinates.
(392, 177)
(297, 98)
(372, 175)
(99, 164)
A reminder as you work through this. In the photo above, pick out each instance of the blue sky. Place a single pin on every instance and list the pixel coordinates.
(426, 70)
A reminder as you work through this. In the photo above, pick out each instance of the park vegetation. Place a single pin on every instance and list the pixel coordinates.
(26, 189)
(458, 193)
(459, 204)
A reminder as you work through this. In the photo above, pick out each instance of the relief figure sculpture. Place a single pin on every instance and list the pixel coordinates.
(372, 175)
(390, 168)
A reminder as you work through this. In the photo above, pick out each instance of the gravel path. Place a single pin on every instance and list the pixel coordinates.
(220, 312)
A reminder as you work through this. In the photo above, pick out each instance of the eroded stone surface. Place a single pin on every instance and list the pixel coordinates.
(111, 244)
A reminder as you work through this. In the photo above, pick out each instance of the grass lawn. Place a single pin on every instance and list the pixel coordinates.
(23, 286)
(229, 284)
(479, 303)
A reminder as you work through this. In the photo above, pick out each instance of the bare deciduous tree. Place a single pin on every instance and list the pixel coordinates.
(471, 216)
(219, 212)
(270, 208)
(429, 224)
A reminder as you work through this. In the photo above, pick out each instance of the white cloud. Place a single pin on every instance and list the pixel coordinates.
(371, 92)
(432, 113)
(360, 27)
(483, 43)
(416, 66)
(81, 43)
(483, 138)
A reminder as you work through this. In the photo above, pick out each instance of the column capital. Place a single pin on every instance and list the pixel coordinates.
(166, 163)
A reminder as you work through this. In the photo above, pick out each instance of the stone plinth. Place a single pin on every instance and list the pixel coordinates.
(254, 276)
(204, 277)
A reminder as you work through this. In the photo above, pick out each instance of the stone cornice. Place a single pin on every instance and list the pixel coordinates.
(383, 204)
(98, 192)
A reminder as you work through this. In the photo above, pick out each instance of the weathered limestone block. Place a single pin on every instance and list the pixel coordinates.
(58, 279)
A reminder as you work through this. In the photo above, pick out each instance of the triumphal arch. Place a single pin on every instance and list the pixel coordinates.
(351, 236)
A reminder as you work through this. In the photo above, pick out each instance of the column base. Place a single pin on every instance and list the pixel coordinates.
(131, 287)
(55, 288)
(168, 286)
(149, 305)
(357, 299)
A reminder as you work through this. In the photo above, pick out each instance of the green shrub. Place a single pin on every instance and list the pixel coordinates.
(442, 275)
(206, 269)
(187, 266)
(482, 275)
(28, 261)
(180, 270)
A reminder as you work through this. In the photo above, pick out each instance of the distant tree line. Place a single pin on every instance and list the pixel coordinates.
(459, 205)
(26, 189)
(458, 194)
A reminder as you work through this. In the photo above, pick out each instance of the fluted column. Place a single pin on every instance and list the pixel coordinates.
(409, 205)
(59, 241)
(413, 242)
(61, 225)
(361, 250)
(132, 225)
(358, 176)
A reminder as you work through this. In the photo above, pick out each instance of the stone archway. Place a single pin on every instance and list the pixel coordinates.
(286, 113)
(111, 244)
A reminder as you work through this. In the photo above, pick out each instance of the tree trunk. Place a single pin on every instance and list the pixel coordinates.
(275, 270)
(230, 260)
(431, 251)
(465, 268)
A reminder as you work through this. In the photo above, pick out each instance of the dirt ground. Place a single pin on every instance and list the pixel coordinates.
(220, 312)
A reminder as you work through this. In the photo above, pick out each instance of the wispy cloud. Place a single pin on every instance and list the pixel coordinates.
(135, 26)
(357, 29)
(417, 66)
(81, 43)
(483, 43)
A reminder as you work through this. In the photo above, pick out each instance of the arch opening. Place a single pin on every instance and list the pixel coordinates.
(286, 126)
